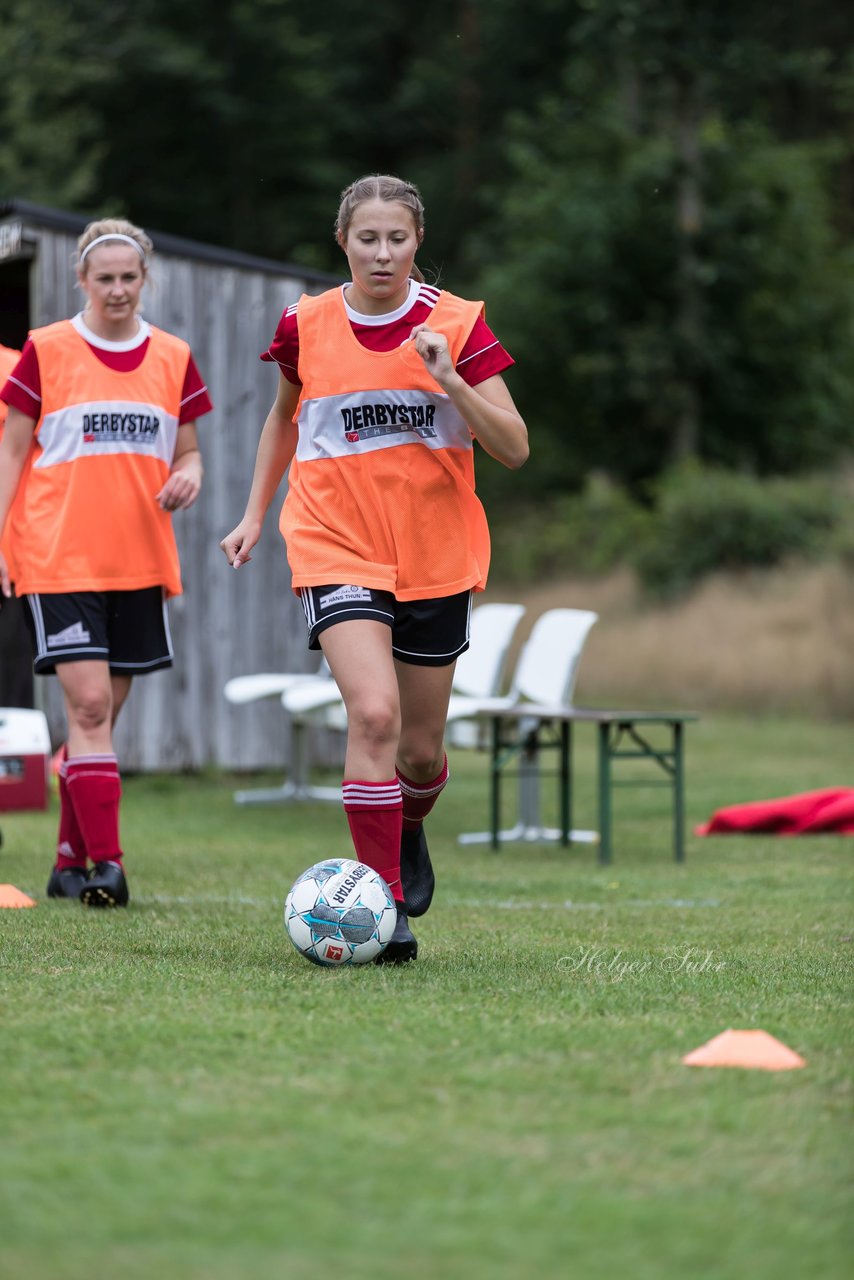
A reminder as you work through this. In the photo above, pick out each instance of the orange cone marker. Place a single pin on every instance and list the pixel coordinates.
(752, 1049)
(12, 897)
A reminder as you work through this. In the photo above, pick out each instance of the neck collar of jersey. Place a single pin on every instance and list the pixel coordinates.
(130, 344)
(356, 317)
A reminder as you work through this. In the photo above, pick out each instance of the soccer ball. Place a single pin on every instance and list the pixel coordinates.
(340, 912)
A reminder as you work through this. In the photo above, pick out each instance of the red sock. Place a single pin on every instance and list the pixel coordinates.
(70, 846)
(419, 797)
(96, 789)
(374, 811)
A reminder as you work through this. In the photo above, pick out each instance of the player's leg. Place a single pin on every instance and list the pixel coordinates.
(428, 637)
(106, 883)
(422, 771)
(88, 696)
(424, 696)
(120, 686)
(359, 655)
(92, 776)
(87, 752)
(139, 642)
(69, 638)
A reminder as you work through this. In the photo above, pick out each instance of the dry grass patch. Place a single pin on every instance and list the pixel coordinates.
(773, 641)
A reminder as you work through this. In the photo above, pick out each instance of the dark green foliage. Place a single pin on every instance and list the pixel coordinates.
(699, 519)
(52, 143)
(587, 533)
(654, 197)
(707, 519)
(618, 352)
(779, 294)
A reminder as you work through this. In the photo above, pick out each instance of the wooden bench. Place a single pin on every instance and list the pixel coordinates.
(523, 732)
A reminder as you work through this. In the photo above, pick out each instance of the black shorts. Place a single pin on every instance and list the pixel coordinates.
(426, 633)
(127, 629)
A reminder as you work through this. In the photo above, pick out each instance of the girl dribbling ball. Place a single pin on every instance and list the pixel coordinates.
(386, 383)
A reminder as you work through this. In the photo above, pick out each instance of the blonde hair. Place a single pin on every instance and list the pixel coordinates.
(380, 186)
(108, 228)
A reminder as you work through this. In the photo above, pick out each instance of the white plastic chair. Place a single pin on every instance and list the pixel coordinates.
(545, 676)
(273, 684)
(269, 684)
(316, 700)
(546, 670)
(480, 671)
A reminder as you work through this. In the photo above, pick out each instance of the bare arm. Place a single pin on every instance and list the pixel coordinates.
(276, 448)
(185, 479)
(14, 450)
(488, 408)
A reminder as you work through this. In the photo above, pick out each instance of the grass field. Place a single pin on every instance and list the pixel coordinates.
(184, 1097)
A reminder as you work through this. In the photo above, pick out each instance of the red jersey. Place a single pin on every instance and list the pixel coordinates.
(481, 357)
(8, 359)
(21, 386)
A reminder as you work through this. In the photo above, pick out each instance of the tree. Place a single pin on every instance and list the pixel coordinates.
(51, 140)
(653, 195)
(669, 275)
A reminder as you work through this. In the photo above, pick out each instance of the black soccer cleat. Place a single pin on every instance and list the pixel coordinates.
(416, 871)
(67, 883)
(106, 886)
(403, 945)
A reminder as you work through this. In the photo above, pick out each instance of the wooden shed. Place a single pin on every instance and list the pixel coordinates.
(226, 305)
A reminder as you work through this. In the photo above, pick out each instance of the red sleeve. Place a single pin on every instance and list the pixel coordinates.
(482, 356)
(284, 349)
(23, 388)
(194, 398)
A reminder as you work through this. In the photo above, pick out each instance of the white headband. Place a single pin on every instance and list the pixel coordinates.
(113, 235)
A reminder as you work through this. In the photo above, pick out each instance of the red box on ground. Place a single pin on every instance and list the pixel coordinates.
(24, 759)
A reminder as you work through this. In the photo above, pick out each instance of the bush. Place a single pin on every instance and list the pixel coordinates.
(708, 518)
(700, 519)
(585, 533)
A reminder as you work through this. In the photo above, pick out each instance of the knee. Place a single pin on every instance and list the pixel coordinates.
(421, 757)
(90, 709)
(375, 720)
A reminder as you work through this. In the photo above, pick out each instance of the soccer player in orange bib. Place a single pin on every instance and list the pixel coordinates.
(101, 445)
(387, 381)
(9, 357)
(14, 684)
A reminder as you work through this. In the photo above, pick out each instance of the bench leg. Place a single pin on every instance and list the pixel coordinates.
(604, 795)
(678, 795)
(297, 787)
(529, 828)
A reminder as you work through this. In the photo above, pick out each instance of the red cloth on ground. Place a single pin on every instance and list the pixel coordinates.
(830, 811)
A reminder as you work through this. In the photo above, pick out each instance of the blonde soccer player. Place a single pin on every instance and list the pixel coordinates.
(101, 445)
(386, 383)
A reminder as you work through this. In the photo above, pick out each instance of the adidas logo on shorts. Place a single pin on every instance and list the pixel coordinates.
(75, 634)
